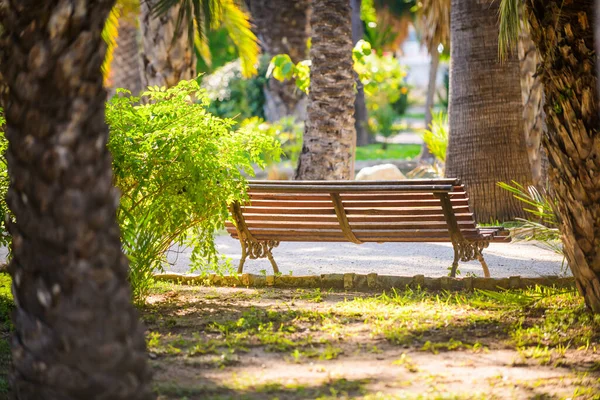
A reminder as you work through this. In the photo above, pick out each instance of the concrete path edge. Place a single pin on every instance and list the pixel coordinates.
(369, 282)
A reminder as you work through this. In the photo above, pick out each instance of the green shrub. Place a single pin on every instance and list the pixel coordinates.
(178, 167)
(382, 120)
(436, 137)
(5, 238)
(233, 96)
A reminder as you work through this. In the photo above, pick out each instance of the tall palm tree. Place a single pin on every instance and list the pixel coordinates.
(433, 21)
(124, 70)
(532, 94)
(486, 143)
(167, 55)
(282, 27)
(76, 336)
(563, 33)
(329, 137)
(363, 137)
(171, 29)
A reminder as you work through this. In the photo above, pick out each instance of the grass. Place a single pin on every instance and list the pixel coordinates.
(258, 344)
(319, 338)
(393, 152)
(413, 115)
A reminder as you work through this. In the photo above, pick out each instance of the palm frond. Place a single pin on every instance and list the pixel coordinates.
(202, 46)
(510, 26)
(433, 22)
(237, 23)
(201, 16)
(110, 32)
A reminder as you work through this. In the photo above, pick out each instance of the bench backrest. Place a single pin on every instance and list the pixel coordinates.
(357, 211)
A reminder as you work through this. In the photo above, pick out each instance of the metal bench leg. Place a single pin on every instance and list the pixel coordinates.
(244, 256)
(467, 251)
(254, 249)
(486, 271)
(242, 260)
(455, 262)
(273, 263)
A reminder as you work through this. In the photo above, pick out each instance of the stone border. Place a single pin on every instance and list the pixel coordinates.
(370, 282)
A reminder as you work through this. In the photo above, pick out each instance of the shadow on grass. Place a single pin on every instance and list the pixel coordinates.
(210, 391)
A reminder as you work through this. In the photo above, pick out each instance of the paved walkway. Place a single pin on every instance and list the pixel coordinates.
(405, 259)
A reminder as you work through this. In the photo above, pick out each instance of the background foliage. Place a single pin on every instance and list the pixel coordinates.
(232, 95)
(287, 131)
(383, 77)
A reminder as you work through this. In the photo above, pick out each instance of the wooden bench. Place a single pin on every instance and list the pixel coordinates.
(423, 210)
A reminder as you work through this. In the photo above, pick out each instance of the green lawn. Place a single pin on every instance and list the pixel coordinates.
(393, 152)
(262, 344)
(214, 343)
(413, 115)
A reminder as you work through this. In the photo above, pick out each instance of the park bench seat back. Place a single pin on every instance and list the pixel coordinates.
(401, 211)
(424, 210)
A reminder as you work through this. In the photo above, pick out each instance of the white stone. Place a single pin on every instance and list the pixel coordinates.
(382, 172)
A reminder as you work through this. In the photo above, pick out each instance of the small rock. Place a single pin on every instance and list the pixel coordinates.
(382, 172)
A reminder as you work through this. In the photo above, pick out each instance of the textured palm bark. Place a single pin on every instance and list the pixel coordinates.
(486, 143)
(329, 137)
(564, 36)
(125, 67)
(363, 137)
(532, 93)
(282, 26)
(426, 155)
(597, 41)
(76, 336)
(167, 56)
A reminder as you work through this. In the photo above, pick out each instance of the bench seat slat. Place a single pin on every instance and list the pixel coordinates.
(352, 196)
(356, 204)
(358, 232)
(439, 217)
(366, 226)
(337, 188)
(365, 240)
(368, 240)
(349, 212)
(406, 211)
(439, 181)
(469, 233)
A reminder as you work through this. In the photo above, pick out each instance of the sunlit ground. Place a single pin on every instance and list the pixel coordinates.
(222, 343)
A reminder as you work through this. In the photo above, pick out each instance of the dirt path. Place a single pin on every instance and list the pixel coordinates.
(404, 259)
(209, 343)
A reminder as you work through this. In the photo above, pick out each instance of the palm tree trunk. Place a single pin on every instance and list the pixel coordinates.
(125, 67)
(426, 155)
(167, 56)
(597, 41)
(329, 137)
(282, 26)
(532, 93)
(564, 36)
(486, 143)
(363, 137)
(76, 336)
